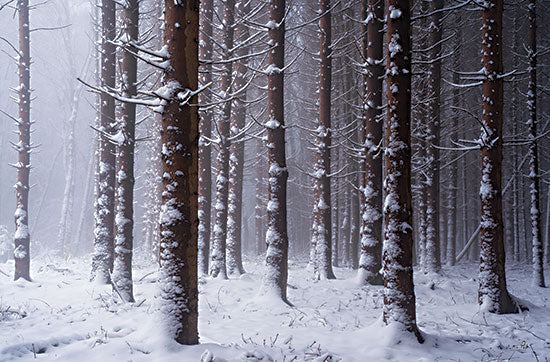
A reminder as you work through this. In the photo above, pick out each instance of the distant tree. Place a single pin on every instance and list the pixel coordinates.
(23, 148)
(399, 297)
(492, 294)
(205, 153)
(180, 135)
(275, 277)
(372, 46)
(126, 137)
(102, 261)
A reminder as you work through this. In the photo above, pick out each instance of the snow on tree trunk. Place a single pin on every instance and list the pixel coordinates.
(547, 249)
(370, 261)
(432, 263)
(179, 211)
(205, 153)
(399, 297)
(259, 214)
(236, 158)
(534, 187)
(23, 148)
(218, 257)
(493, 295)
(124, 218)
(102, 261)
(322, 222)
(274, 281)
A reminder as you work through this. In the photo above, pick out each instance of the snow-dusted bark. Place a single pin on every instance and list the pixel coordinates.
(125, 180)
(547, 233)
(346, 227)
(23, 147)
(259, 208)
(179, 211)
(102, 261)
(432, 262)
(274, 281)
(493, 295)
(218, 256)
(236, 157)
(399, 296)
(205, 153)
(153, 189)
(370, 261)
(322, 222)
(534, 187)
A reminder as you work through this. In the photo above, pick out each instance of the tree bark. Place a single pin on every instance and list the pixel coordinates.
(259, 215)
(124, 219)
(205, 155)
(493, 295)
(102, 261)
(179, 212)
(399, 297)
(534, 187)
(370, 262)
(274, 282)
(22, 236)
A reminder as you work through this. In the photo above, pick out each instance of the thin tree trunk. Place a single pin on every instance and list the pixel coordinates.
(179, 212)
(124, 239)
(218, 257)
(259, 220)
(274, 282)
(22, 187)
(102, 261)
(547, 253)
(370, 261)
(493, 295)
(205, 156)
(399, 296)
(534, 187)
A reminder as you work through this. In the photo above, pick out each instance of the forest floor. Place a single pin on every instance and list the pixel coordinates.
(61, 316)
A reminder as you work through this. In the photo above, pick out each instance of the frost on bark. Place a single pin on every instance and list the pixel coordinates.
(274, 281)
(205, 153)
(179, 211)
(102, 261)
(370, 261)
(493, 295)
(218, 257)
(399, 297)
(23, 148)
(236, 154)
(432, 262)
(534, 187)
(126, 135)
(322, 222)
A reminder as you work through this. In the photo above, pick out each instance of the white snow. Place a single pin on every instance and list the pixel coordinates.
(62, 317)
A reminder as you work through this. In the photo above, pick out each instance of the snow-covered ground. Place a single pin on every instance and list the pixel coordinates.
(61, 316)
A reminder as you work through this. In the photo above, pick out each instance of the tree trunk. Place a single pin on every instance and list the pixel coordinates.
(433, 260)
(370, 261)
(493, 295)
(102, 262)
(124, 239)
(218, 257)
(205, 155)
(179, 212)
(259, 219)
(534, 188)
(274, 282)
(322, 222)
(22, 236)
(399, 297)
(547, 252)
(236, 158)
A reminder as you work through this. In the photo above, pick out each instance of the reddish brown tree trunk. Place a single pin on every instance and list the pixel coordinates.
(205, 155)
(22, 237)
(124, 239)
(102, 262)
(370, 261)
(399, 297)
(274, 282)
(180, 134)
(493, 295)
